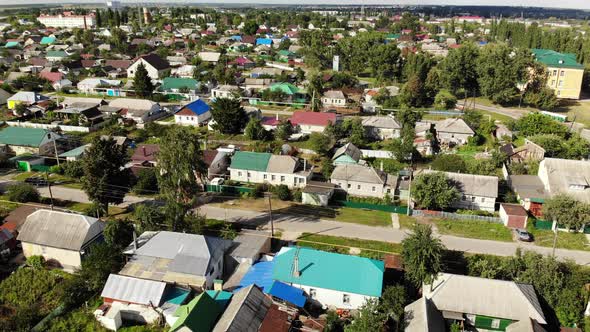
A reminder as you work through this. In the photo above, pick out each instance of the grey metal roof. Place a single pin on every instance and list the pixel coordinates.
(458, 126)
(282, 164)
(472, 184)
(384, 122)
(250, 244)
(422, 316)
(350, 150)
(135, 290)
(358, 173)
(559, 174)
(245, 311)
(60, 229)
(528, 186)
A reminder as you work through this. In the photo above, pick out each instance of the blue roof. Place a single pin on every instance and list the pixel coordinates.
(263, 41)
(221, 297)
(236, 38)
(198, 107)
(259, 274)
(288, 293)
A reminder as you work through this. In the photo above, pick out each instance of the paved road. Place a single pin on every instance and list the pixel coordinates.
(514, 113)
(293, 225)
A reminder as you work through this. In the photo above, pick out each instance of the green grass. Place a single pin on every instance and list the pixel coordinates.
(363, 217)
(342, 244)
(82, 207)
(495, 116)
(576, 110)
(565, 240)
(474, 229)
(406, 222)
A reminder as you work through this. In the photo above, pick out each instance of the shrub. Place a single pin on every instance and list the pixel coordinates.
(36, 262)
(259, 190)
(56, 169)
(283, 192)
(445, 100)
(147, 181)
(23, 192)
(297, 196)
(73, 169)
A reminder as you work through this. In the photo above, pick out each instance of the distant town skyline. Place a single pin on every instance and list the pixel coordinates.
(566, 4)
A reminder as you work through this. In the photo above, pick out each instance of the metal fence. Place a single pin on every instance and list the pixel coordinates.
(450, 215)
(229, 190)
(543, 224)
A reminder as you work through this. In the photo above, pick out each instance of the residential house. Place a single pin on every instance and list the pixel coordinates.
(19, 140)
(75, 154)
(60, 237)
(181, 87)
(196, 113)
(258, 83)
(200, 314)
(184, 259)
(4, 95)
(256, 167)
(312, 122)
(145, 155)
(566, 176)
(225, 91)
(242, 63)
(453, 132)
(334, 98)
(477, 304)
(56, 56)
(246, 311)
(27, 98)
(478, 192)
(565, 74)
(138, 110)
(330, 279)
(217, 163)
(154, 64)
(530, 151)
(96, 85)
(365, 181)
(117, 68)
(347, 154)
(291, 91)
(86, 114)
(212, 57)
(382, 127)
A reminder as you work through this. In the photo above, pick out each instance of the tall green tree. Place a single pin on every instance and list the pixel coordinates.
(105, 179)
(498, 73)
(180, 165)
(142, 83)
(422, 254)
(459, 69)
(567, 211)
(434, 191)
(229, 115)
(254, 130)
(413, 93)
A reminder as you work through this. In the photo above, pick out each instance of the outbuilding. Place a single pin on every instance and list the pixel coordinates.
(513, 215)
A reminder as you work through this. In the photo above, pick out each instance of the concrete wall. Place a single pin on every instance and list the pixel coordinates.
(69, 259)
(290, 180)
(458, 139)
(476, 203)
(383, 133)
(329, 297)
(189, 120)
(566, 82)
(363, 189)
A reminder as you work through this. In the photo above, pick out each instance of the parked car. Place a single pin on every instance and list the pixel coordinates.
(524, 235)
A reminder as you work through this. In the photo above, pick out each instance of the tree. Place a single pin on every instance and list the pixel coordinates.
(147, 182)
(444, 99)
(357, 132)
(392, 303)
(567, 211)
(537, 123)
(254, 130)
(250, 27)
(142, 83)
(229, 115)
(105, 177)
(320, 143)
(413, 93)
(148, 218)
(284, 130)
(403, 147)
(118, 233)
(498, 74)
(327, 168)
(449, 163)
(369, 318)
(180, 163)
(23, 193)
(434, 191)
(422, 255)
(283, 192)
(459, 69)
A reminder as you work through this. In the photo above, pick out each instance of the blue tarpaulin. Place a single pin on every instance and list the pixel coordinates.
(259, 274)
(287, 293)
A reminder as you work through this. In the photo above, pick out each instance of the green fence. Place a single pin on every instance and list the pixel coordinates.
(369, 206)
(40, 168)
(543, 224)
(229, 190)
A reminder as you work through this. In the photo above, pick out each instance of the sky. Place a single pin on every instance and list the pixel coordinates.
(573, 4)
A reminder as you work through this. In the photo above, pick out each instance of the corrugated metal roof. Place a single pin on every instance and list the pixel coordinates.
(60, 229)
(198, 315)
(287, 293)
(252, 161)
(259, 274)
(22, 136)
(135, 290)
(245, 312)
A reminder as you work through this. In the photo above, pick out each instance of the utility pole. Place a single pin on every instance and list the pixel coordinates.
(272, 224)
(554, 237)
(55, 150)
(49, 187)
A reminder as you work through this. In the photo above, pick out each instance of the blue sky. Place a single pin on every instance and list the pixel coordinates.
(575, 4)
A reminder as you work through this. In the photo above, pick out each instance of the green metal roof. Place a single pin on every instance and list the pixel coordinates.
(22, 136)
(287, 88)
(345, 273)
(170, 83)
(47, 40)
(11, 44)
(555, 59)
(251, 161)
(393, 36)
(199, 315)
(75, 152)
(285, 53)
(56, 54)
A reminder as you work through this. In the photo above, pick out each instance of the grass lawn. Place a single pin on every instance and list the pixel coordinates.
(254, 204)
(406, 222)
(565, 240)
(364, 217)
(576, 111)
(342, 244)
(82, 207)
(495, 116)
(474, 229)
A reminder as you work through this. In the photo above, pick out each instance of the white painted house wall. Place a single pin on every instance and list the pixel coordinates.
(153, 73)
(290, 180)
(330, 297)
(363, 189)
(69, 259)
(192, 120)
(476, 203)
(308, 129)
(333, 101)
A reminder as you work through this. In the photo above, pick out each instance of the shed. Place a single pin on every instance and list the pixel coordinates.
(133, 290)
(249, 246)
(245, 312)
(317, 193)
(513, 215)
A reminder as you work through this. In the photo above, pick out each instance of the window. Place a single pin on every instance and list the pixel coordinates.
(562, 73)
(264, 176)
(301, 180)
(389, 191)
(349, 186)
(312, 293)
(358, 187)
(282, 178)
(554, 72)
(552, 82)
(239, 173)
(463, 198)
(373, 189)
(483, 199)
(495, 324)
(345, 299)
(472, 198)
(249, 175)
(272, 177)
(560, 82)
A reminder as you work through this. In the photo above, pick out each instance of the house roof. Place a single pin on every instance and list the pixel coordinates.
(134, 290)
(312, 118)
(56, 54)
(197, 107)
(155, 61)
(75, 152)
(562, 174)
(209, 56)
(422, 316)
(287, 88)
(384, 122)
(345, 273)
(51, 76)
(134, 104)
(552, 58)
(60, 229)
(486, 297)
(245, 312)
(26, 96)
(47, 40)
(198, 315)
(358, 173)
(350, 150)
(146, 152)
(22, 136)
(334, 94)
(514, 209)
(472, 184)
(263, 41)
(453, 125)
(253, 161)
(121, 64)
(282, 164)
(170, 83)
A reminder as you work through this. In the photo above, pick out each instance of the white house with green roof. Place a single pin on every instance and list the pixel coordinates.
(257, 167)
(341, 281)
(564, 73)
(20, 140)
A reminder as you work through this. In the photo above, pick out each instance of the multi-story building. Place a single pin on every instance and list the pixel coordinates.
(68, 20)
(564, 73)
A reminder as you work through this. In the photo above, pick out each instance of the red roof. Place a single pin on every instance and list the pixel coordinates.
(270, 121)
(51, 76)
(145, 152)
(313, 118)
(240, 61)
(514, 209)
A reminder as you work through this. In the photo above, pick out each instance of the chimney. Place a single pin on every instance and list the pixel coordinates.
(296, 272)
(144, 152)
(134, 242)
(304, 164)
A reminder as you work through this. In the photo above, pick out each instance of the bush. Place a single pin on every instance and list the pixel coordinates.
(259, 190)
(56, 169)
(36, 262)
(147, 182)
(95, 210)
(283, 192)
(73, 169)
(297, 196)
(445, 100)
(23, 193)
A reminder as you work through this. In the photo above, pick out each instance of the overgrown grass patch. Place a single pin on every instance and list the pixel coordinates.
(368, 248)
(474, 229)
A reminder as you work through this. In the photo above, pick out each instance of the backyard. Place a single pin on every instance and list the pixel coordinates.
(474, 229)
